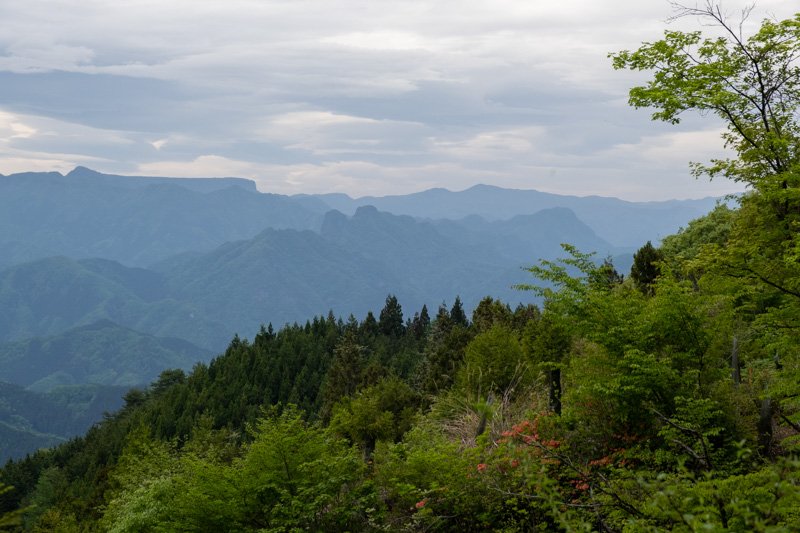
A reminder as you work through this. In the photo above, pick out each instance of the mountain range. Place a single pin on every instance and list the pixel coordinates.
(111, 279)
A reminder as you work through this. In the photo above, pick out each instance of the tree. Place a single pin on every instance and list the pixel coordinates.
(645, 269)
(382, 411)
(167, 379)
(391, 318)
(10, 518)
(458, 315)
(686, 244)
(493, 360)
(490, 312)
(421, 322)
(752, 84)
(547, 342)
(612, 276)
(344, 376)
(444, 352)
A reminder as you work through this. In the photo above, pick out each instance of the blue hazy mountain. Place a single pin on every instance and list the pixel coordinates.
(139, 221)
(136, 221)
(101, 353)
(620, 222)
(282, 276)
(51, 295)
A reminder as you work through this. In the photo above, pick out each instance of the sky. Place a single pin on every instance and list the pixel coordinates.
(372, 97)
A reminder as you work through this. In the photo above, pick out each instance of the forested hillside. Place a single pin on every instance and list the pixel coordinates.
(663, 400)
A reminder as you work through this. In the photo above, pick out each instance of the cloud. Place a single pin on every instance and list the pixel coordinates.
(493, 145)
(345, 95)
(681, 146)
(324, 133)
(44, 58)
(11, 127)
(206, 166)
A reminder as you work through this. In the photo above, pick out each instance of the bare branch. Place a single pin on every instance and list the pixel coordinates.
(706, 459)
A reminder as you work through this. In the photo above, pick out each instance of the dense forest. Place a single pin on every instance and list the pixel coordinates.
(663, 400)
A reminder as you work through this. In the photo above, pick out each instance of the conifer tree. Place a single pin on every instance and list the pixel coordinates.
(457, 313)
(344, 376)
(391, 318)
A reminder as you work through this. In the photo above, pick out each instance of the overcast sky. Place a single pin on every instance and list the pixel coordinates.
(364, 97)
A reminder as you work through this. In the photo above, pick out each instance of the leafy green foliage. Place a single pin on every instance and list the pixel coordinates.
(494, 358)
(687, 243)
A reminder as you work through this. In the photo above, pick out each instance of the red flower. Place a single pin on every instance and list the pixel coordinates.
(481, 466)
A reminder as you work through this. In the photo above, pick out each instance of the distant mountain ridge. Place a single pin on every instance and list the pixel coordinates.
(139, 221)
(136, 221)
(620, 222)
(286, 275)
(201, 185)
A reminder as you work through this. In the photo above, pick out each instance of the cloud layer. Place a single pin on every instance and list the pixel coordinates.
(379, 97)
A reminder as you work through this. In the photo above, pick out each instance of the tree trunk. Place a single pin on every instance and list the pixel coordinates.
(765, 427)
(554, 377)
(735, 373)
(369, 448)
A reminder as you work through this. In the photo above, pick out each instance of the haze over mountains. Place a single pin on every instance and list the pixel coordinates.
(111, 279)
(179, 257)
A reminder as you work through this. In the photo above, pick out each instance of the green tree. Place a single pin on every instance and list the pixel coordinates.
(391, 318)
(11, 518)
(490, 312)
(493, 360)
(645, 269)
(444, 353)
(612, 276)
(547, 342)
(421, 323)
(344, 376)
(384, 411)
(167, 379)
(687, 243)
(458, 315)
(753, 84)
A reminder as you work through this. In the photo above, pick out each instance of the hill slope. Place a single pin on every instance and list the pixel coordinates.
(101, 353)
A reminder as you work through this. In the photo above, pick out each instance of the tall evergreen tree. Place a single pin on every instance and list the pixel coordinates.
(457, 313)
(344, 376)
(391, 318)
(420, 323)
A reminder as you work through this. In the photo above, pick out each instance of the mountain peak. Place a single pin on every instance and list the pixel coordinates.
(366, 211)
(334, 221)
(79, 172)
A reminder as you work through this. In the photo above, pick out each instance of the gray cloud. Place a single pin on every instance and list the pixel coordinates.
(353, 96)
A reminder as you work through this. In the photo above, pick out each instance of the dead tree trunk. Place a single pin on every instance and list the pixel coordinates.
(765, 427)
(735, 372)
(554, 378)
